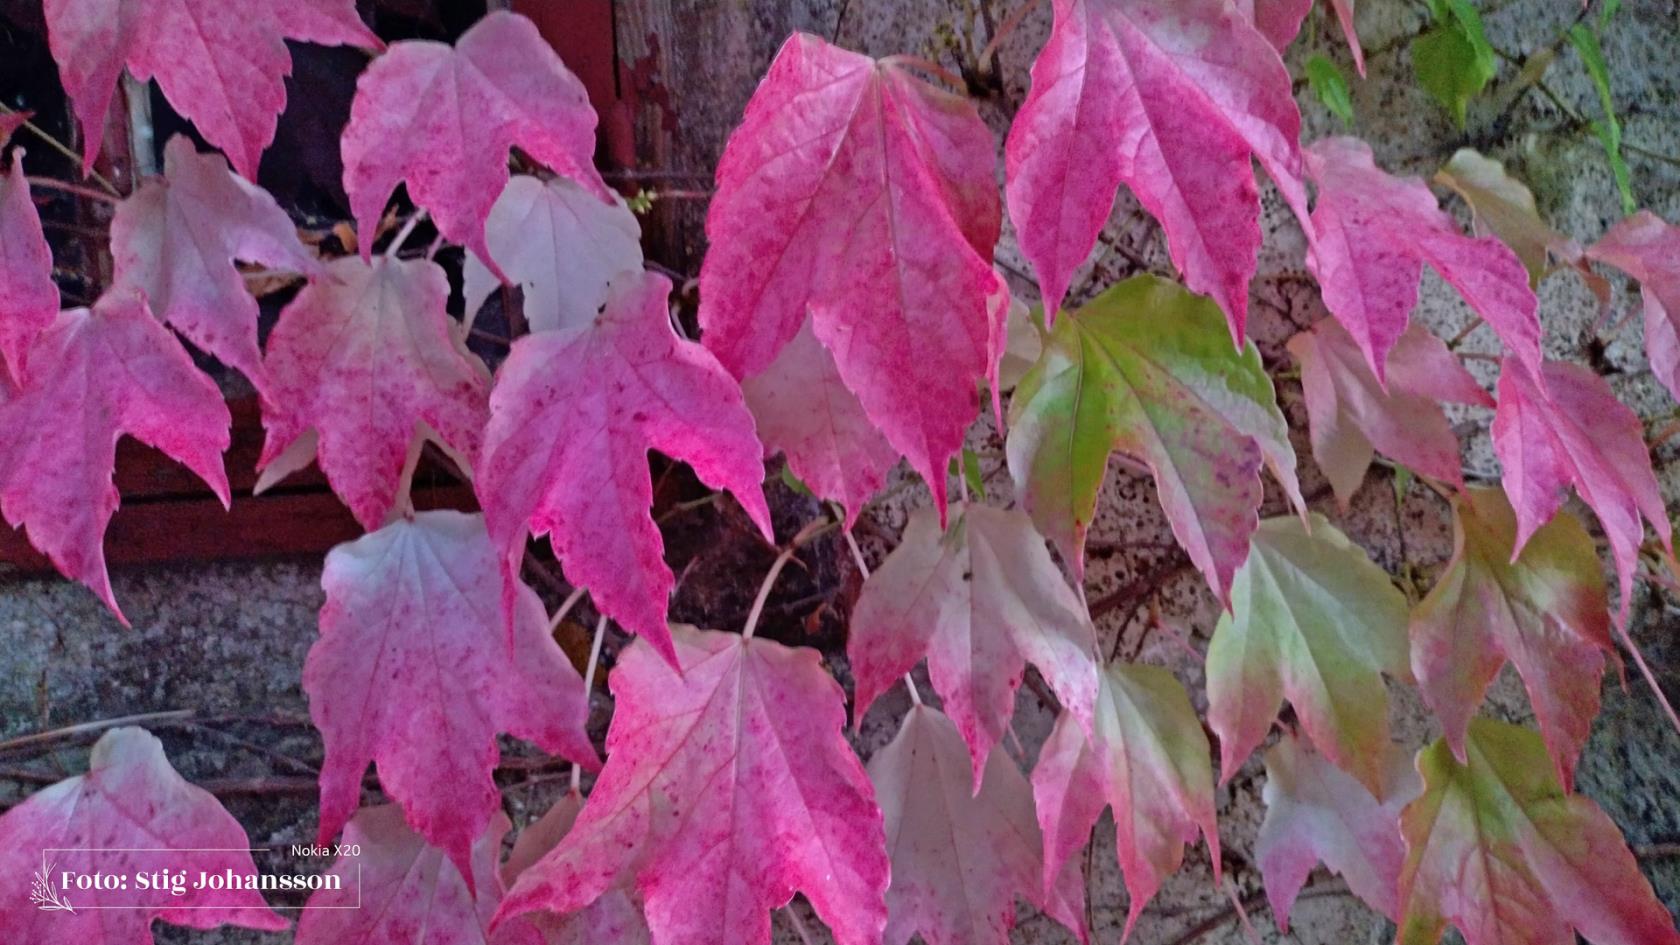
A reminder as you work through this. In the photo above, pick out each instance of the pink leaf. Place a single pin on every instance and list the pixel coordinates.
(176, 240)
(561, 245)
(1352, 417)
(1148, 760)
(443, 119)
(961, 856)
(1344, 15)
(1648, 249)
(414, 672)
(366, 358)
(865, 198)
(1372, 235)
(96, 374)
(614, 919)
(572, 417)
(805, 411)
(1315, 812)
(1498, 848)
(130, 814)
(10, 122)
(1174, 100)
(1567, 428)
(1277, 20)
(28, 297)
(401, 891)
(980, 603)
(222, 65)
(728, 787)
(1543, 608)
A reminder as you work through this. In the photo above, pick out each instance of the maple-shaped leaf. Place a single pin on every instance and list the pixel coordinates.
(95, 375)
(176, 240)
(1647, 248)
(360, 362)
(1372, 235)
(561, 244)
(1174, 100)
(1146, 369)
(1315, 812)
(400, 890)
(961, 856)
(132, 813)
(1314, 621)
(1497, 848)
(221, 65)
(442, 119)
(805, 411)
(28, 296)
(1147, 758)
(1504, 207)
(572, 418)
(980, 602)
(728, 787)
(613, 919)
(865, 199)
(1543, 608)
(1351, 417)
(1564, 427)
(415, 672)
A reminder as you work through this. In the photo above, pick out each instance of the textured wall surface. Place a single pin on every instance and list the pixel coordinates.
(228, 642)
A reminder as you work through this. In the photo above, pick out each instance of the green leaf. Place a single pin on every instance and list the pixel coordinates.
(1147, 368)
(1608, 130)
(1453, 59)
(969, 470)
(1312, 620)
(792, 481)
(1331, 87)
(1496, 847)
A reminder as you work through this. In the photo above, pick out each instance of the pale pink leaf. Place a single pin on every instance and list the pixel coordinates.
(132, 813)
(805, 411)
(559, 243)
(1496, 847)
(961, 855)
(1352, 418)
(28, 297)
(399, 890)
(1564, 427)
(980, 602)
(442, 119)
(221, 65)
(1344, 15)
(1174, 100)
(1147, 758)
(1316, 813)
(728, 787)
(177, 237)
(367, 357)
(1542, 607)
(95, 375)
(1372, 235)
(1647, 248)
(614, 919)
(572, 418)
(1315, 621)
(415, 672)
(863, 198)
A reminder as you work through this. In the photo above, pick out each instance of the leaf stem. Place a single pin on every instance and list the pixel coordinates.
(588, 680)
(565, 608)
(805, 534)
(402, 234)
(905, 60)
(1005, 28)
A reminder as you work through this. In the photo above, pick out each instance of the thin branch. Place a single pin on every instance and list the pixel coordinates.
(53, 183)
(51, 735)
(63, 149)
(1008, 26)
(589, 684)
